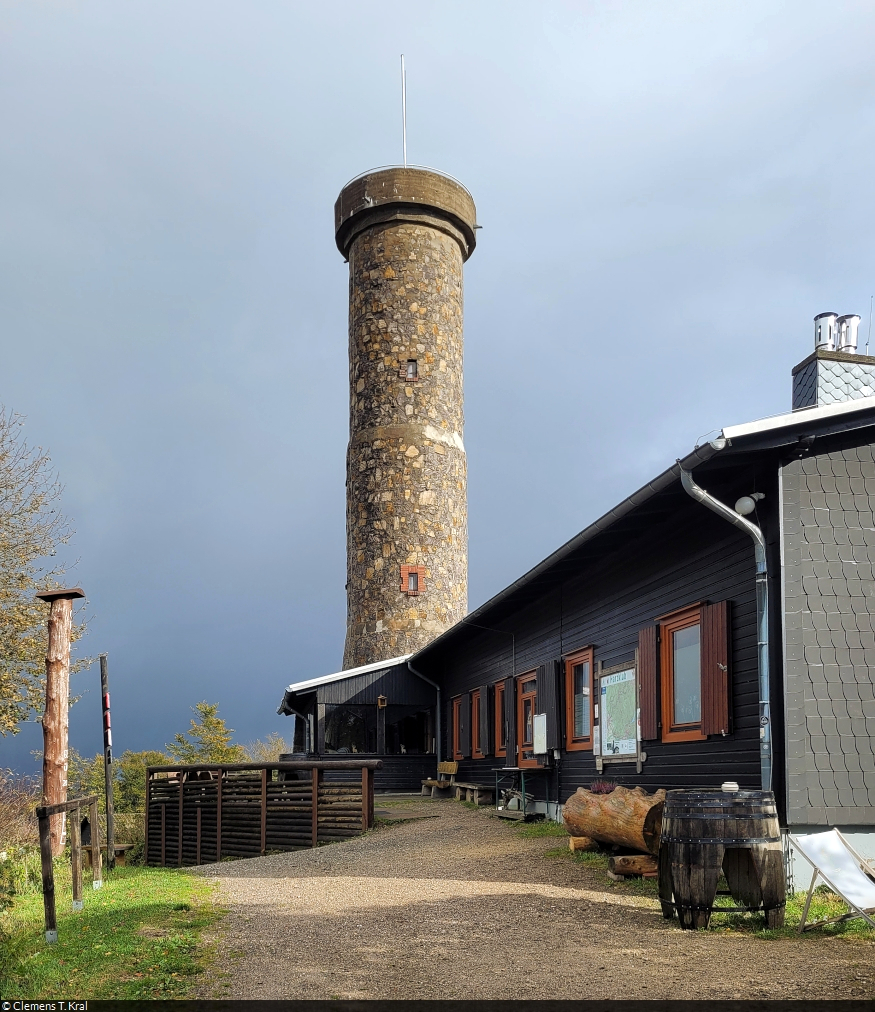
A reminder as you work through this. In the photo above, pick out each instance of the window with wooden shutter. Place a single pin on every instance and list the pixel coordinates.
(476, 726)
(527, 707)
(647, 688)
(579, 700)
(694, 672)
(680, 664)
(716, 715)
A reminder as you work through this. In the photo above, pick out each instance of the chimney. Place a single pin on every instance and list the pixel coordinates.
(834, 372)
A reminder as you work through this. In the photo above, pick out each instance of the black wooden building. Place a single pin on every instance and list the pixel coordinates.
(375, 711)
(660, 647)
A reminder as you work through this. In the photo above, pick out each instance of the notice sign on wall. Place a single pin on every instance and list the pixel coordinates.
(618, 711)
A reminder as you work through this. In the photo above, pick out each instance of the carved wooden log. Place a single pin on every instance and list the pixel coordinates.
(56, 718)
(630, 818)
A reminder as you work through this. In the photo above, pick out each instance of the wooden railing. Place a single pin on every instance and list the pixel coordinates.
(199, 814)
(43, 814)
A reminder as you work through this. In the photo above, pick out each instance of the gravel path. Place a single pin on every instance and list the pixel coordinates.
(462, 906)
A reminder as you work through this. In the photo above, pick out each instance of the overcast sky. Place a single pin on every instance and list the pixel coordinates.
(669, 192)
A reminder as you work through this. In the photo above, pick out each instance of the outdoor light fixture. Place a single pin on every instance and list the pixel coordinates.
(381, 702)
(748, 503)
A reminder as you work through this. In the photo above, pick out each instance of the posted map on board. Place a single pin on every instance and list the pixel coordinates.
(618, 712)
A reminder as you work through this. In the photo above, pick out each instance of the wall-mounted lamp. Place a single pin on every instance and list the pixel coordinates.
(381, 702)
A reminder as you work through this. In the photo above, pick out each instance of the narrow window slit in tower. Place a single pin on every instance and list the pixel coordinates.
(410, 372)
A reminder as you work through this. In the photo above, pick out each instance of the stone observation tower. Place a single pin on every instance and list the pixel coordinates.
(406, 233)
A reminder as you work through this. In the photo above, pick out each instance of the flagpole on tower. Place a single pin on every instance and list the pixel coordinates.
(404, 110)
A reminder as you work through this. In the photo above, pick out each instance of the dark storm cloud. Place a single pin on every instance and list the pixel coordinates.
(669, 193)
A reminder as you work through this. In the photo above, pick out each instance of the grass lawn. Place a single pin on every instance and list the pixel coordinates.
(138, 937)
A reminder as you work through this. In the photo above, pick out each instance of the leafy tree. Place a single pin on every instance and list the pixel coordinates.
(129, 783)
(267, 750)
(31, 529)
(207, 740)
(85, 776)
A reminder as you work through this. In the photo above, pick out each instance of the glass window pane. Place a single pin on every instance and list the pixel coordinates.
(407, 730)
(528, 721)
(687, 676)
(581, 700)
(531, 685)
(413, 581)
(350, 728)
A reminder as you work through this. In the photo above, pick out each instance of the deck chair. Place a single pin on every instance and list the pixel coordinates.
(843, 870)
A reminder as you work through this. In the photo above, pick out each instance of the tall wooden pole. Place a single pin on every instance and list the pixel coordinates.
(107, 764)
(57, 716)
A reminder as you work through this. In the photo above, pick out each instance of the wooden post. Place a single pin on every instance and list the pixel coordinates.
(56, 718)
(197, 859)
(263, 810)
(163, 834)
(365, 825)
(315, 812)
(219, 819)
(96, 859)
(45, 849)
(107, 765)
(179, 847)
(146, 826)
(76, 856)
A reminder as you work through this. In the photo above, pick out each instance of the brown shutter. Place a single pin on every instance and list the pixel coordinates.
(465, 725)
(647, 697)
(510, 720)
(486, 721)
(548, 701)
(715, 668)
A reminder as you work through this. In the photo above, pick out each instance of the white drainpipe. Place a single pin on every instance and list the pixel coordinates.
(762, 585)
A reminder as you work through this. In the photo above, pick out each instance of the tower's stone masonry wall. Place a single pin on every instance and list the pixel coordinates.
(406, 469)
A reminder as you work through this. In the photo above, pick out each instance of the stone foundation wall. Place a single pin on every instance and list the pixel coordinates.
(406, 468)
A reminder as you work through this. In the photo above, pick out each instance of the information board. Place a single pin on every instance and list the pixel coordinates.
(618, 714)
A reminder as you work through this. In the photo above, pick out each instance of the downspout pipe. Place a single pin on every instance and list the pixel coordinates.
(437, 719)
(762, 586)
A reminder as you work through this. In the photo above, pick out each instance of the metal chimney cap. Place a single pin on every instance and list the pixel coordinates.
(820, 316)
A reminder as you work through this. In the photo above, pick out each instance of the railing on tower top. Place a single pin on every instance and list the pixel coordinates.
(200, 813)
(409, 165)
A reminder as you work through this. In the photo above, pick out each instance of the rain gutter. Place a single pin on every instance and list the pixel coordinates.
(762, 586)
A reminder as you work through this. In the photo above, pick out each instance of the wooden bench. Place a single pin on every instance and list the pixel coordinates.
(121, 850)
(445, 783)
(478, 794)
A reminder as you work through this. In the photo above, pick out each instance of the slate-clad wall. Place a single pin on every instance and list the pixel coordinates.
(693, 557)
(828, 537)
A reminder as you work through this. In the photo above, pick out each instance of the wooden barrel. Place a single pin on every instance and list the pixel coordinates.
(704, 832)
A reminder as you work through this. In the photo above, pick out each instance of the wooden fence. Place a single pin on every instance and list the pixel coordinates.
(44, 814)
(200, 814)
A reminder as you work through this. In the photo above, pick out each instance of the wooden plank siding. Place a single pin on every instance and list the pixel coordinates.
(200, 814)
(691, 557)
